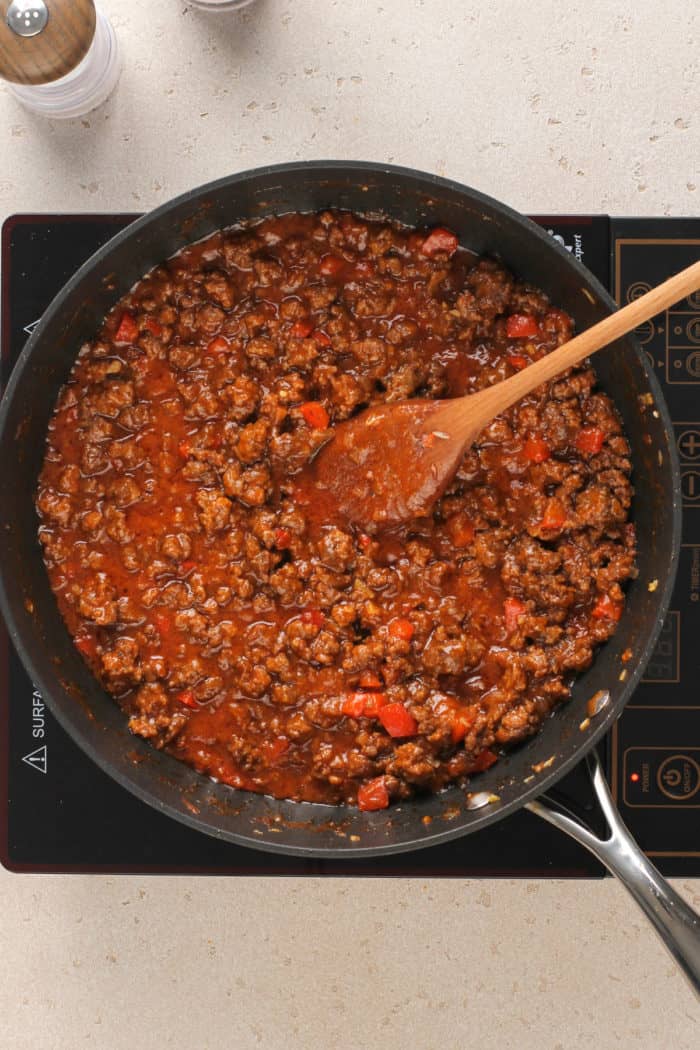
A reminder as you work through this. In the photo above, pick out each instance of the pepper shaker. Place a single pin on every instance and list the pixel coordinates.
(220, 5)
(60, 57)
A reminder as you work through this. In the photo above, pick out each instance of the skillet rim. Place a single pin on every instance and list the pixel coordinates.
(548, 778)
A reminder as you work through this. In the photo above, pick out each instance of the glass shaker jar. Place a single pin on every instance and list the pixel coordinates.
(220, 5)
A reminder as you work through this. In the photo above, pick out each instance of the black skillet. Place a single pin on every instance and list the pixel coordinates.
(93, 719)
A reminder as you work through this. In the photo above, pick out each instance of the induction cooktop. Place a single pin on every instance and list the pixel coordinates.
(60, 813)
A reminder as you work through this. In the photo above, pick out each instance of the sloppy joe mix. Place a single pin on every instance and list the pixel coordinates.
(306, 659)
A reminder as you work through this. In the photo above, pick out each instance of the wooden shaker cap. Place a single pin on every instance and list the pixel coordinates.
(55, 50)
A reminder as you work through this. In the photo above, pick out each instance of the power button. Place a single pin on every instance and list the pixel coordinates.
(678, 777)
(662, 777)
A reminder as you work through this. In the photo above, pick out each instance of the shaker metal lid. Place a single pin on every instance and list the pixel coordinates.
(27, 17)
(43, 40)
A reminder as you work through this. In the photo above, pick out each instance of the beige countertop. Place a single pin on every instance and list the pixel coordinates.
(552, 107)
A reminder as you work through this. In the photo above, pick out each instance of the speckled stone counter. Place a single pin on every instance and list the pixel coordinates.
(577, 107)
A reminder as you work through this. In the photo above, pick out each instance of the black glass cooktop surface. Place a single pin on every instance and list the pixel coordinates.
(59, 812)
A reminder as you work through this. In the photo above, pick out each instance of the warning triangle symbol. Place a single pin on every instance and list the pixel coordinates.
(37, 759)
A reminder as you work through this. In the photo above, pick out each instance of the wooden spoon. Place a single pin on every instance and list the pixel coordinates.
(391, 463)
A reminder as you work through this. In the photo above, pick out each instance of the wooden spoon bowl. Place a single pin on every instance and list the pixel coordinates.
(390, 463)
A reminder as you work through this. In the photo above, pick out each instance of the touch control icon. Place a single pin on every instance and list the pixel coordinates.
(645, 332)
(690, 485)
(692, 365)
(689, 444)
(637, 289)
(678, 777)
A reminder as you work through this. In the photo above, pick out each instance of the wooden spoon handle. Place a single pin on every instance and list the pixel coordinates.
(498, 398)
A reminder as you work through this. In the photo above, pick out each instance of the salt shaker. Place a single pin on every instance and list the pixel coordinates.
(60, 57)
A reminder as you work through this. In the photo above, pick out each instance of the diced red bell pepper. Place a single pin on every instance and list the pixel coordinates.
(400, 628)
(331, 265)
(374, 702)
(590, 440)
(369, 680)
(607, 609)
(187, 698)
(373, 795)
(315, 415)
(536, 450)
(512, 611)
(484, 760)
(322, 338)
(364, 540)
(518, 361)
(153, 326)
(354, 705)
(183, 449)
(86, 644)
(283, 538)
(554, 515)
(397, 720)
(368, 705)
(521, 326)
(127, 329)
(440, 240)
(312, 616)
(186, 567)
(463, 722)
(301, 329)
(218, 345)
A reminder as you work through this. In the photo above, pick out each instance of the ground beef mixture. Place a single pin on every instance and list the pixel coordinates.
(327, 664)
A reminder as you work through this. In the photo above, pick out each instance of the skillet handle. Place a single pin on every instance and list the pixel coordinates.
(674, 920)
